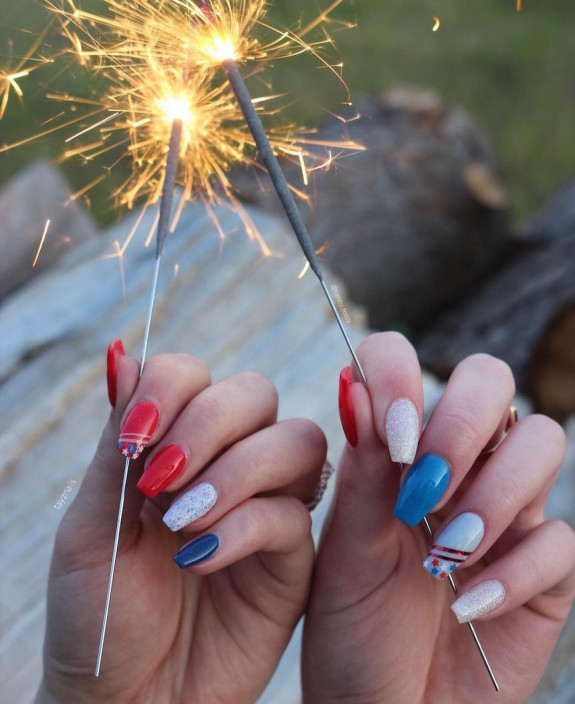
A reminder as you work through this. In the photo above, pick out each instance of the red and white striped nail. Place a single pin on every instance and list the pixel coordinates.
(454, 545)
(138, 429)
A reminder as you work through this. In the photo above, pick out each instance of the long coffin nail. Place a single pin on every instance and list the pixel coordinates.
(402, 430)
(115, 350)
(194, 504)
(137, 430)
(199, 550)
(166, 466)
(346, 412)
(454, 545)
(479, 600)
(424, 485)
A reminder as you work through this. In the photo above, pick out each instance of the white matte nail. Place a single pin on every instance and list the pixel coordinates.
(454, 545)
(402, 430)
(192, 505)
(480, 600)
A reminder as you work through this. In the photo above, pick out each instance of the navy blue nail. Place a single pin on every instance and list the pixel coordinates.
(197, 551)
(424, 485)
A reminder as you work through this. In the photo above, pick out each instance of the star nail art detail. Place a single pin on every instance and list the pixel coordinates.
(454, 545)
(138, 429)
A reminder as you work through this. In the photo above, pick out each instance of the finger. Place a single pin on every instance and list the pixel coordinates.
(267, 460)
(540, 567)
(396, 391)
(477, 396)
(278, 528)
(510, 489)
(167, 384)
(94, 511)
(215, 419)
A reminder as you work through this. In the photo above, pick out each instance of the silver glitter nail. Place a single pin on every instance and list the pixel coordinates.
(192, 505)
(481, 599)
(402, 430)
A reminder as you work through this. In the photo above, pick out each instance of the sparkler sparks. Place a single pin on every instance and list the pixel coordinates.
(437, 24)
(159, 60)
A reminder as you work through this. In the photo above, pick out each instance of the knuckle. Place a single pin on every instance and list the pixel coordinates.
(380, 340)
(465, 424)
(490, 366)
(212, 411)
(542, 430)
(564, 534)
(308, 435)
(255, 380)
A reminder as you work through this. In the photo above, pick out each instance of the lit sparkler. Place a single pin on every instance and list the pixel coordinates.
(11, 76)
(166, 109)
(228, 55)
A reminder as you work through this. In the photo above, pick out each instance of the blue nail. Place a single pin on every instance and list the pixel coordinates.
(424, 485)
(197, 551)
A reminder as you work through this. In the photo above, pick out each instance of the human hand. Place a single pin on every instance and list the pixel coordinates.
(379, 628)
(214, 631)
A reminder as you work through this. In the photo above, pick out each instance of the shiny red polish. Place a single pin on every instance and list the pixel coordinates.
(346, 412)
(166, 466)
(115, 350)
(138, 429)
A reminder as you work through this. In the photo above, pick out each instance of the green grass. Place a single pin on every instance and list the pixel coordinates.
(513, 72)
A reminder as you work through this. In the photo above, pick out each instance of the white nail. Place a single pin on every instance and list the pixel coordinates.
(192, 505)
(402, 430)
(480, 600)
(454, 545)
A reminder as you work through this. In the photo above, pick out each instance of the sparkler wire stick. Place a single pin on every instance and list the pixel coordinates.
(296, 221)
(166, 201)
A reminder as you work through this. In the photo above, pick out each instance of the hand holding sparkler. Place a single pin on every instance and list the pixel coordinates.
(210, 632)
(379, 626)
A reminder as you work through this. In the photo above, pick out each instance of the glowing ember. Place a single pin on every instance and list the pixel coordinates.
(437, 24)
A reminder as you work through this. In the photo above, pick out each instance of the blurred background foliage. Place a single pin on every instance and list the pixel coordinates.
(514, 73)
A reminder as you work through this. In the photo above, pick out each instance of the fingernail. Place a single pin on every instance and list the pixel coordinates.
(424, 485)
(402, 430)
(199, 550)
(194, 504)
(479, 600)
(346, 413)
(137, 430)
(166, 466)
(115, 350)
(454, 545)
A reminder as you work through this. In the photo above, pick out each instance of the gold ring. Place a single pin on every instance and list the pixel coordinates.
(497, 439)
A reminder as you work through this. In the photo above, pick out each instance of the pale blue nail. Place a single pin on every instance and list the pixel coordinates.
(424, 485)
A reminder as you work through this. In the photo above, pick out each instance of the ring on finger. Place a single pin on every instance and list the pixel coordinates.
(326, 472)
(498, 438)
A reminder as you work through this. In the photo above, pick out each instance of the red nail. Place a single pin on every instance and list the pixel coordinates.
(166, 466)
(115, 350)
(137, 430)
(346, 406)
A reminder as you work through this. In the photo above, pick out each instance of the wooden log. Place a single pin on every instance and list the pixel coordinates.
(413, 222)
(525, 314)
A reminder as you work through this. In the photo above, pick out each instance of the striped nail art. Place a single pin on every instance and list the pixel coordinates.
(454, 545)
(138, 429)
